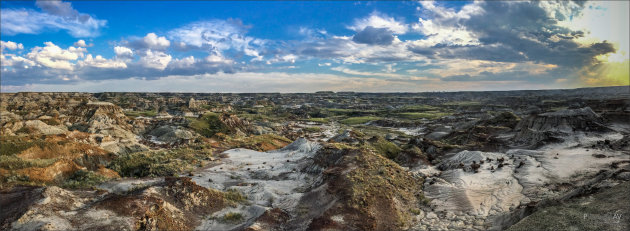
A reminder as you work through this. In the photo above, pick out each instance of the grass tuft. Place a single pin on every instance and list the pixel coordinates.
(232, 217)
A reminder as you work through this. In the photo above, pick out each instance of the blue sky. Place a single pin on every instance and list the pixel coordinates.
(305, 46)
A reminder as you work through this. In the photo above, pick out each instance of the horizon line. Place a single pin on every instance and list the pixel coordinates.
(315, 92)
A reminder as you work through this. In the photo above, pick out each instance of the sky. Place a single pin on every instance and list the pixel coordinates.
(308, 46)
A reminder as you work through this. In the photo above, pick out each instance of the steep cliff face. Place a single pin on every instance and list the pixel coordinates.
(553, 125)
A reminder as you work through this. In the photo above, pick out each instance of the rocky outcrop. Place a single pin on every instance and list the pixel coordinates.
(607, 209)
(550, 126)
(348, 136)
(108, 120)
(96, 116)
(172, 204)
(569, 120)
(504, 119)
(234, 123)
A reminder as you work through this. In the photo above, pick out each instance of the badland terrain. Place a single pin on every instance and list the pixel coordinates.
(515, 160)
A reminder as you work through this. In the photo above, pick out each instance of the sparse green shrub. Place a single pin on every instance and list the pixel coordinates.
(232, 217)
(234, 195)
(415, 211)
(83, 179)
(15, 179)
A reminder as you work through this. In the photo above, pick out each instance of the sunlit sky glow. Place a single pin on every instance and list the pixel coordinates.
(307, 46)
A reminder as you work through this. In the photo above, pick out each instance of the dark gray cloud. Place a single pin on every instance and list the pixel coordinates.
(502, 76)
(374, 36)
(517, 32)
(550, 77)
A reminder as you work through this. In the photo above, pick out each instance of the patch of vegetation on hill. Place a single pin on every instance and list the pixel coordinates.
(377, 194)
(14, 162)
(418, 108)
(422, 115)
(234, 196)
(47, 160)
(385, 148)
(208, 125)
(84, 179)
(134, 114)
(14, 145)
(232, 218)
(264, 142)
(158, 163)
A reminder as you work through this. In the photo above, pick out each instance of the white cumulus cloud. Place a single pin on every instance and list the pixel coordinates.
(121, 51)
(156, 42)
(218, 36)
(11, 45)
(378, 20)
(55, 57)
(155, 59)
(101, 62)
(81, 43)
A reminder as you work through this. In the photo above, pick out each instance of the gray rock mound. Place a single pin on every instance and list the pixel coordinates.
(171, 134)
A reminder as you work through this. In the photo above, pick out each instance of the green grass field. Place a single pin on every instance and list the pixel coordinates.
(463, 103)
(359, 120)
(140, 113)
(422, 115)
